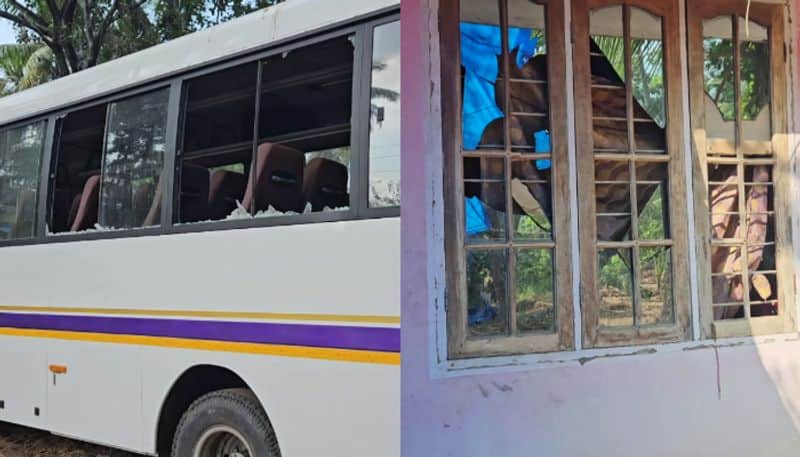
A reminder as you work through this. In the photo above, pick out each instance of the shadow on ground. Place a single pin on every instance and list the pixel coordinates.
(18, 441)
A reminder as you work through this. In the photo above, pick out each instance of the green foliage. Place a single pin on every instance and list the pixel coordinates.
(24, 65)
(755, 74)
(615, 269)
(719, 76)
(534, 275)
(83, 33)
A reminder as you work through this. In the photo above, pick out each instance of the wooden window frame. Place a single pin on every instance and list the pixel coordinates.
(594, 334)
(459, 346)
(770, 16)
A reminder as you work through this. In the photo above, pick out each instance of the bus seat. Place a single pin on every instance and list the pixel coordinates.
(143, 204)
(278, 179)
(195, 183)
(153, 215)
(224, 189)
(325, 184)
(86, 205)
(73, 210)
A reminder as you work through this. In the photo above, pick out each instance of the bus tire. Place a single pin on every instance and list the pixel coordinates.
(225, 422)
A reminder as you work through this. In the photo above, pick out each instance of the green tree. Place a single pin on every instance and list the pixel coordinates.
(24, 65)
(80, 34)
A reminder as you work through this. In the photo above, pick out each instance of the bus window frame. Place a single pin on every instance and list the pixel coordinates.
(46, 145)
(361, 28)
(366, 87)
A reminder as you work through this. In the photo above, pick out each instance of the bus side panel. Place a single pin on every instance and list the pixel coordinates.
(316, 407)
(99, 397)
(345, 270)
(339, 268)
(23, 380)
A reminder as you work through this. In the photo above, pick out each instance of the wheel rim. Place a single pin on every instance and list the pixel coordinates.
(222, 441)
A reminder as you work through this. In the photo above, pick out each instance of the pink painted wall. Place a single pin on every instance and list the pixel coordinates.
(730, 401)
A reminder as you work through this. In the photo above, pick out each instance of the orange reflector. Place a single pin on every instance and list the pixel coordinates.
(58, 369)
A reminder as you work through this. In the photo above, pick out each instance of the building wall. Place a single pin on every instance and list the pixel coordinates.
(728, 399)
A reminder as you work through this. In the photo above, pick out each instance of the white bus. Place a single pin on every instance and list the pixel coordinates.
(200, 246)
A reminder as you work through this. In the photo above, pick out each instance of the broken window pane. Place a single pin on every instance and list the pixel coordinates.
(647, 82)
(481, 72)
(613, 207)
(763, 287)
(76, 187)
(531, 195)
(727, 289)
(529, 120)
(728, 312)
(764, 309)
(485, 199)
(305, 108)
(508, 169)
(726, 259)
(218, 143)
(647, 70)
(654, 215)
(762, 255)
(301, 155)
(608, 43)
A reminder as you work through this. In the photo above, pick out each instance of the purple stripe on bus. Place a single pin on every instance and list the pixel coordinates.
(326, 336)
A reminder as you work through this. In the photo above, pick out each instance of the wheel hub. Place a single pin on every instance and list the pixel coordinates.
(222, 441)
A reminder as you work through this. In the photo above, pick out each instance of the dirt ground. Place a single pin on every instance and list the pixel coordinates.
(18, 441)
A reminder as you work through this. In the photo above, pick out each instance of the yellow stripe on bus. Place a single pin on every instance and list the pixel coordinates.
(209, 314)
(307, 352)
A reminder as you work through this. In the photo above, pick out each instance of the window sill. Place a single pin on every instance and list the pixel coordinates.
(506, 364)
(300, 219)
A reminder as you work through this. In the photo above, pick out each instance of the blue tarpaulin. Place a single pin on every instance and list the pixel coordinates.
(486, 313)
(480, 46)
(541, 141)
(477, 219)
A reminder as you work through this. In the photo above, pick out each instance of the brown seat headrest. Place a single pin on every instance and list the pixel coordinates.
(225, 188)
(86, 204)
(278, 179)
(326, 184)
(146, 199)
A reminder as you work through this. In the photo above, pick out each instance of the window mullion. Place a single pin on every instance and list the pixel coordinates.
(103, 163)
(256, 131)
(511, 325)
(739, 138)
(630, 114)
(169, 171)
(360, 118)
(44, 189)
